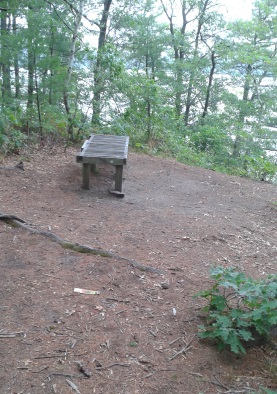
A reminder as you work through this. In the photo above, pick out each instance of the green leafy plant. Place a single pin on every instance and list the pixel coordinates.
(240, 309)
(267, 391)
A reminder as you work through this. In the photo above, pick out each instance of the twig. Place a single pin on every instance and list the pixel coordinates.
(118, 313)
(73, 386)
(42, 369)
(11, 334)
(196, 374)
(153, 333)
(112, 365)
(237, 391)
(116, 300)
(175, 340)
(70, 375)
(41, 357)
(184, 350)
(222, 385)
(218, 383)
(52, 276)
(159, 350)
(84, 371)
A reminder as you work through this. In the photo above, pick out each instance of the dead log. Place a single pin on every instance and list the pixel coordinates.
(75, 246)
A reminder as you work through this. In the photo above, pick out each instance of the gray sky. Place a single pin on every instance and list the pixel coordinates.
(237, 9)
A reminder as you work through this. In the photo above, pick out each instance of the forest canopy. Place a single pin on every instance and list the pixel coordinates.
(173, 75)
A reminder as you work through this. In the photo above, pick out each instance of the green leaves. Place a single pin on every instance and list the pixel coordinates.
(240, 309)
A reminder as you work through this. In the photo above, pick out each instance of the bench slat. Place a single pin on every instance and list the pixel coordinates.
(103, 146)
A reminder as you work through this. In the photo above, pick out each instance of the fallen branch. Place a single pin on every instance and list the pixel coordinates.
(184, 349)
(114, 364)
(76, 247)
(11, 334)
(219, 383)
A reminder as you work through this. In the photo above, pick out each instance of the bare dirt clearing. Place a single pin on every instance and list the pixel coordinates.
(180, 219)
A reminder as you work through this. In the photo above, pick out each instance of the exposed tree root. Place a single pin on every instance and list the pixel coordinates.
(76, 247)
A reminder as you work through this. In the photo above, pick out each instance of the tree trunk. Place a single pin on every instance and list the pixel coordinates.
(16, 64)
(31, 65)
(245, 96)
(209, 87)
(148, 102)
(243, 109)
(178, 55)
(5, 58)
(38, 105)
(70, 117)
(98, 81)
(189, 100)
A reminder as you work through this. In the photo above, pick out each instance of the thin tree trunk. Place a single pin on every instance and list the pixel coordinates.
(50, 92)
(70, 117)
(189, 100)
(209, 87)
(16, 63)
(243, 109)
(38, 105)
(31, 67)
(148, 103)
(245, 96)
(5, 58)
(178, 54)
(98, 81)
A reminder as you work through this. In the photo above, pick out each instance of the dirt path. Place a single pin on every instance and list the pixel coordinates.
(180, 219)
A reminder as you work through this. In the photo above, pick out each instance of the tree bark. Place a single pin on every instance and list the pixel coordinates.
(16, 64)
(31, 64)
(189, 100)
(77, 21)
(98, 80)
(5, 58)
(243, 109)
(209, 87)
(178, 53)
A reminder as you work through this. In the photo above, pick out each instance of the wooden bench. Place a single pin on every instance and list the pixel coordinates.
(99, 148)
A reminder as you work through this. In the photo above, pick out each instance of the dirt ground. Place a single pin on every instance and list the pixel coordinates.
(138, 336)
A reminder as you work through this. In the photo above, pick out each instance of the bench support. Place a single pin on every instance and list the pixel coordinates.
(86, 173)
(118, 178)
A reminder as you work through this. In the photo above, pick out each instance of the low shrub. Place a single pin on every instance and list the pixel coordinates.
(240, 309)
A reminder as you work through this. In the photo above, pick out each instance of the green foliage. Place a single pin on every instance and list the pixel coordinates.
(240, 309)
(261, 168)
(267, 391)
(144, 82)
(11, 137)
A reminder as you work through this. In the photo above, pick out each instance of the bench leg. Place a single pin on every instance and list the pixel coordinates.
(118, 178)
(86, 173)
